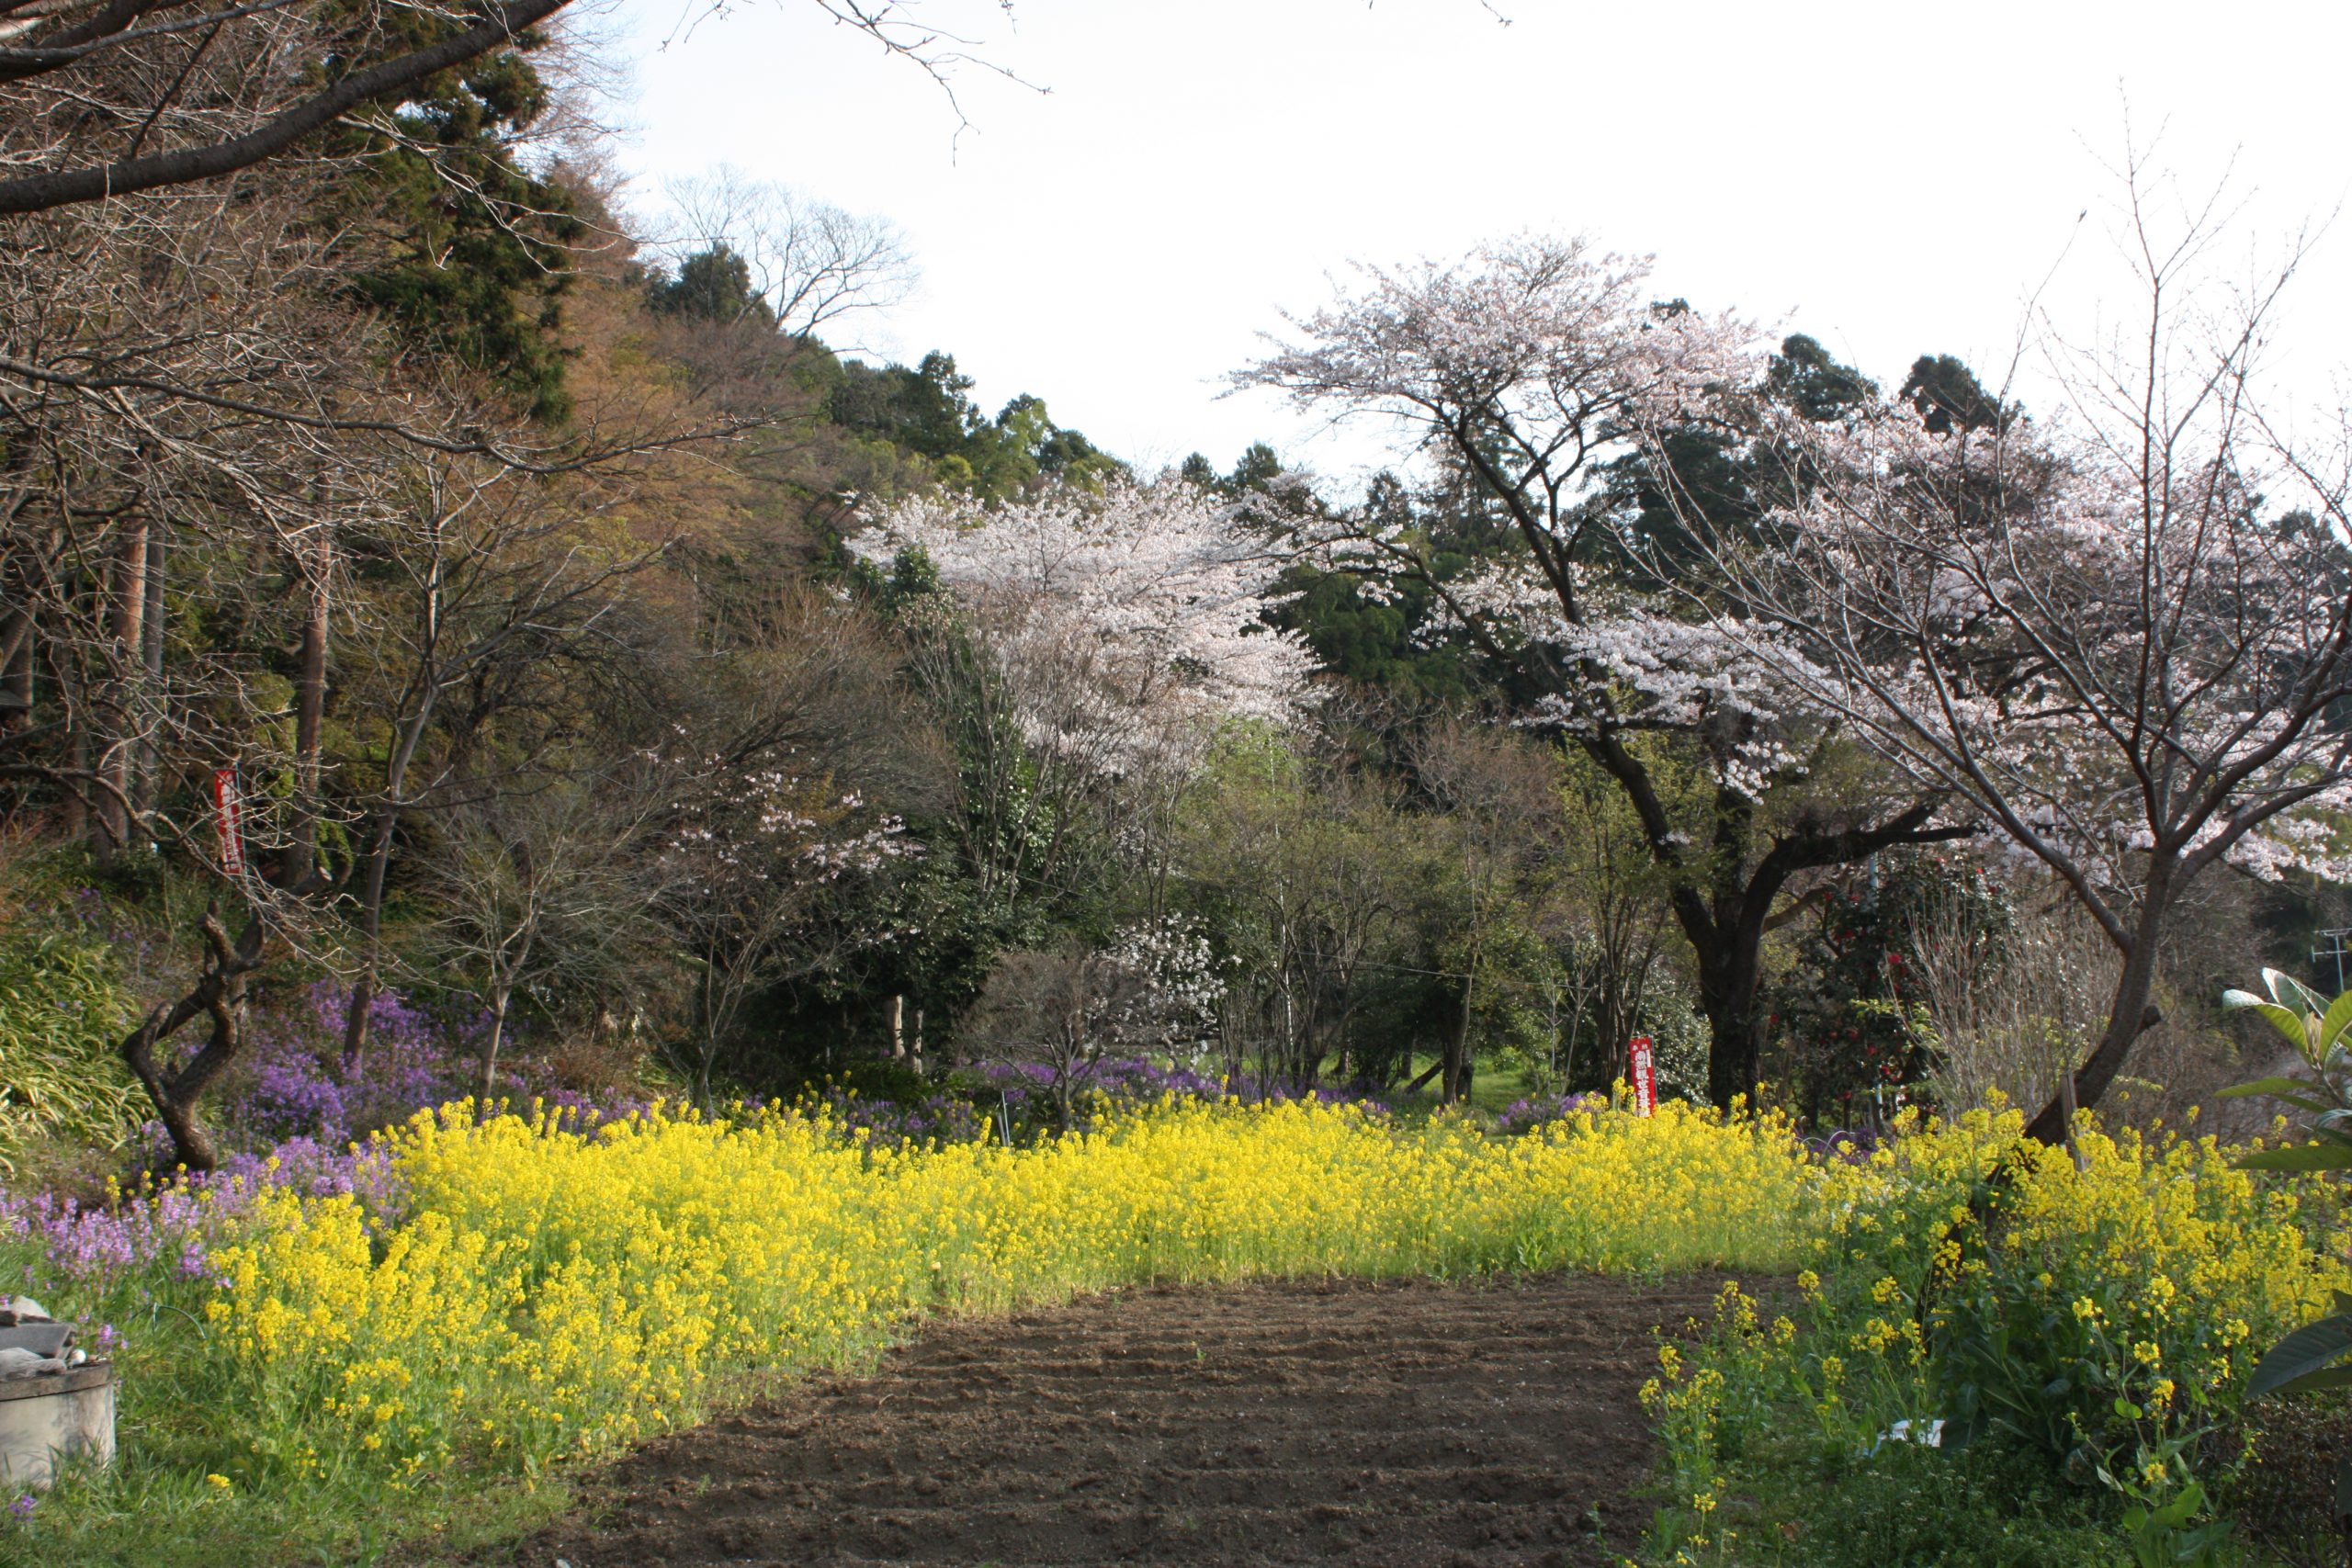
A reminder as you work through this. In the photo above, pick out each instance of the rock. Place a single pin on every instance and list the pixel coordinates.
(40, 1338)
(19, 1363)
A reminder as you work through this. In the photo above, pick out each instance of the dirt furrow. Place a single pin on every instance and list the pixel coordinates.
(1378, 1423)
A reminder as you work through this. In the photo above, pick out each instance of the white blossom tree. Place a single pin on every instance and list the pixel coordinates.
(1129, 621)
(1530, 366)
(1069, 1009)
(2122, 634)
(757, 870)
(1088, 644)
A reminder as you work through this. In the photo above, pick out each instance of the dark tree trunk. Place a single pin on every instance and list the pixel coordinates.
(1456, 1060)
(152, 656)
(220, 992)
(310, 715)
(2130, 1015)
(380, 860)
(1729, 978)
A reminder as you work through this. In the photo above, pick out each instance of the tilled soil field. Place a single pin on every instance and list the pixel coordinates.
(1402, 1421)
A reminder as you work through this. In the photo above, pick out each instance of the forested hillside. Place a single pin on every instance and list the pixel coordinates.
(453, 645)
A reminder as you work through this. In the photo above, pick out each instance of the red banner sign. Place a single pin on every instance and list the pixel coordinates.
(1643, 1070)
(229, 820)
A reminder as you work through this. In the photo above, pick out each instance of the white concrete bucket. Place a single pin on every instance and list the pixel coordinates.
(51, 1418)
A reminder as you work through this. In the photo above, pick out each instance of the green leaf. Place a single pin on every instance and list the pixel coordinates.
(2294, 1092)
(2286, 1021)
(2292, 992)
(2313, 1382)
(2304, 1156)
(2334, 1022)
(2307, 1350)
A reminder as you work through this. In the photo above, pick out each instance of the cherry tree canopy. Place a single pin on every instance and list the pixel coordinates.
(2103, 671)
(1533, 365)
(1127, 622)
(2124, 636)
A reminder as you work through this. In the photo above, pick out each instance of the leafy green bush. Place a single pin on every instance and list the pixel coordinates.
(61, 1011)
(2088, 1324)
(1909, 1504)
(2311, 1358)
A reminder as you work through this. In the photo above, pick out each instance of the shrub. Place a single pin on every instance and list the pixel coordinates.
(2096, 1321)
(62, 1012)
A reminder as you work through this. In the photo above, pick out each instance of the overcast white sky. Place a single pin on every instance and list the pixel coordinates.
(1893, 179)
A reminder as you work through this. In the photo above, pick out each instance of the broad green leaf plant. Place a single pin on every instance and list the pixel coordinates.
(2312, 1357)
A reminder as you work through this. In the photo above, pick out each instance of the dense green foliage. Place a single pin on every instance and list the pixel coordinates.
(63, 1007)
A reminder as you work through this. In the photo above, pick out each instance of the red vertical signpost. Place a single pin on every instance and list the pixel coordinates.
(1643, 1070)
(229, 820)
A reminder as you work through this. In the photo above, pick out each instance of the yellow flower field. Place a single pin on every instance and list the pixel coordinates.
(521, 1290)
(553, 1290)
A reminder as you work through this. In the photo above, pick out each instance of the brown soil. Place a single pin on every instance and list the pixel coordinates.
(1401, 1422)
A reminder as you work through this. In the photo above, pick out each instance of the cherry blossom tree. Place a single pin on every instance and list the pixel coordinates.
(1125, 624)
(2122, 634)
(757, 871)
(1533, 365)
(1068, 1008)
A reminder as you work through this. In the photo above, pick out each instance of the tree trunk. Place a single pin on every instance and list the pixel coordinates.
(379, 858)
(220, 991)
(2130, 1015)
(1457, 1050)
(309, 713)
(498, 998)
(1728, 981)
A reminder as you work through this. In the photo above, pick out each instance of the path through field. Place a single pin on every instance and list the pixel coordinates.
(1396, 1423)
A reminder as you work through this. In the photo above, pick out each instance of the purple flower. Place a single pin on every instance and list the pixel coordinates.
(22, 1508)
(1537, 1110)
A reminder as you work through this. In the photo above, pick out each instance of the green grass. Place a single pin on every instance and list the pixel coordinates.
(147, 1513)
(1493, 1090)
(1904, 1507)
